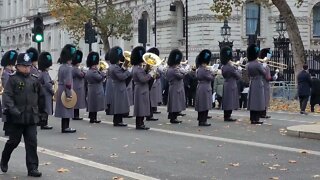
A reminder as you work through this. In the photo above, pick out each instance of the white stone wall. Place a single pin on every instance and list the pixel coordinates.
(204, 29)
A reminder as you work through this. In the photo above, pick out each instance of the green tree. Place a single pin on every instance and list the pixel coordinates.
(109, 21)
(223, 9)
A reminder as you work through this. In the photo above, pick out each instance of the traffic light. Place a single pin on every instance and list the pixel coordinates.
(37, 29)
(90, 34)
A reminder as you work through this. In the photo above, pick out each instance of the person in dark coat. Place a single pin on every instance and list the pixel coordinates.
(176, 95)
(265, 55)
(191, 83)
(65, 84)
(155, 92)
(8, 61)
(23, 102)
(44, 63)
(203, 101)
(315, 91)
(304, 86)
(256, 72)
(78, 84)
(230, 96)
(141, 81)
(120, 103)
(95, 80)
(34, 54)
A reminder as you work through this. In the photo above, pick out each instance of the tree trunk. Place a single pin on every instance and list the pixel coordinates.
(294, 34)
(106, 43)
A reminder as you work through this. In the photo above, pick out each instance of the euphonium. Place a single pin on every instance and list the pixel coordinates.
(103, 65)
(151, 60)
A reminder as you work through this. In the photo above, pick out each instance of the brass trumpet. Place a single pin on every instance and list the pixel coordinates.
(273, 64)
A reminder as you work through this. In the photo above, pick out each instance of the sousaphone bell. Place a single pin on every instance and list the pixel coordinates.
(69, 102)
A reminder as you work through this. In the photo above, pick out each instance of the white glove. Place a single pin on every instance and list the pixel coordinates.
(239, 68)
(130, 69)
(277, 71)
(152, 73)
(264, 65)
(275, 77)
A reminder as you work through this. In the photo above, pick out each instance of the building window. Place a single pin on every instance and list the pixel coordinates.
(252, 19)
(316, 20)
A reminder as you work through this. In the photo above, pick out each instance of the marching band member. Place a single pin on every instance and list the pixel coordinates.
(266, 54)
(141, 89)
(256, 72)
(44, 63)
(120, 103)
(203, 101)
(95, 80)
(176, 95)
(230, 96)
(34, 54)
(8, 61)
(108, 90)
(78, 84)
(65, 83)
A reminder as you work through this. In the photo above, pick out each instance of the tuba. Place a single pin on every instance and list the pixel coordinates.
(152, 61)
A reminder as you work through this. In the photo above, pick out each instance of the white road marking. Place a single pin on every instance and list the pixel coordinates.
(227, 140)
(241, 115)
(89, 163)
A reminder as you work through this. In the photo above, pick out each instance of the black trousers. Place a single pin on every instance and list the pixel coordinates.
(227, 114)
(154, 109)
(151, 113)
(76, 113)
(29, 133)
(219, 99)
(255, 116)
(92, 116)
(203, 116)
(139, 121)
(173, 115)
(303, 102)
(44, 121)
(117, 118)
(65, 123)
(243, 100)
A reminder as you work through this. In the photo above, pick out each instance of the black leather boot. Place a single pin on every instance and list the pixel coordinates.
(34, 173)
(65, 126)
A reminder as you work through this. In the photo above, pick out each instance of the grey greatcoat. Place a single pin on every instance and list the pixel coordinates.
(130, 93)
(109, 91)
(95, 80)
(176, 96)
(120, 101)
(230, 96)
(267, 86)
(4, 79)
(155, 93)
(203, 100)
(35, 71)
(47, 89)
(65, 83)
(79, 87)
(141, 91)
(256, 96)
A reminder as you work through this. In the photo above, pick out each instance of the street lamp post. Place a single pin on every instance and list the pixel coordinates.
(100, 46)
(225, 33)
(2, 52)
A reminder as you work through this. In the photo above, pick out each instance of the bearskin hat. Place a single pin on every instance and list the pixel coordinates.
(93, 59)
(107, 56)
(175, 57)
(24, 59)
(137, 54)
(263, 53)
(115, 55)
(77, 58)
(9, 58)
(67, 53)
(44, 61)
(204, 56)
(33, 54)
(252, 52)
(154, 50)
(225, 55)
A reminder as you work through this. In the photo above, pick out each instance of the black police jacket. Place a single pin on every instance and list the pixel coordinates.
(23, 99)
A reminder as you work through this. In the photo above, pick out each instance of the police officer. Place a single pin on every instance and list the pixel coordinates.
(34, 54)
(78, 84)
(120, 103)
(176, 95)
(95, 80)
(203, 101)
(230, 97)
(65, 83)
(44, 63)
(23, 101)
(8, 61)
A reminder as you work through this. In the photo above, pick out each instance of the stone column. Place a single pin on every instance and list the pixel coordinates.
(18, 8)
(5, 9)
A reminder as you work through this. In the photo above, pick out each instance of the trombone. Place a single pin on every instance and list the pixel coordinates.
(273, 64)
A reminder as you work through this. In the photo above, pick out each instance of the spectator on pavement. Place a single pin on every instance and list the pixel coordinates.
(315, 91)
(304, 85)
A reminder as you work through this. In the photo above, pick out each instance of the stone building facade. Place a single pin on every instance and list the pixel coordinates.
(203, 28)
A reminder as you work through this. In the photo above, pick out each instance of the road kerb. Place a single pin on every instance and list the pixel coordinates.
(305, 131)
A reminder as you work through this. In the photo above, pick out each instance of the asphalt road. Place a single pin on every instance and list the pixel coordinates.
(175, 151)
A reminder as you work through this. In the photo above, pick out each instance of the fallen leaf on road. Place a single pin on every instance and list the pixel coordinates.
(113, 155)
(82, 138)
(114, 138)
(219, 145)
(117, 178)
(139, 167)
(276, 165)
(188, 147)
(292, 161)
(283, 169)
(275, 178)
(203, 161)
(304, 152)
(125, 146)
(272, 168)
(62, 170)
(265, 164)
(45, 164)
(234, 164)
(316, 176)
(133, 152)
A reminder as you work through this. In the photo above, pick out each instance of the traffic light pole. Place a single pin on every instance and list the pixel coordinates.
(39, 47)
(90, 47)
